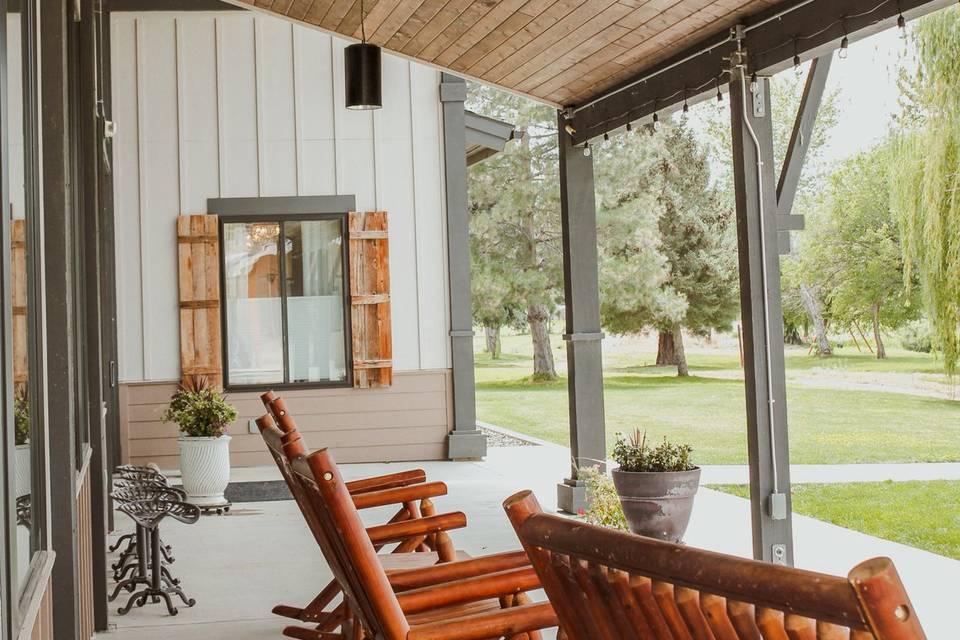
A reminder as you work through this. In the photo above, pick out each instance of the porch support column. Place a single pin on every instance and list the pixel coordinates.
(578, 219)
(59, 266)
(465, 441)
(756, 201)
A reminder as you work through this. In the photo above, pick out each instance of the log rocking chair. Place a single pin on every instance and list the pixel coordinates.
(409, 527)
(476, 599)
(610, 585)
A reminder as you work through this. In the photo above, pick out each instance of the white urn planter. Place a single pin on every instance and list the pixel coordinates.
(21, 464)
(205, 469)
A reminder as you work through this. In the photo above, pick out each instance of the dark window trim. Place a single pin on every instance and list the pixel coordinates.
(286, 209)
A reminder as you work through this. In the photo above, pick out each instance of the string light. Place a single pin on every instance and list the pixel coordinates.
(586, 149)
(606, 137)
(753, 82)
(629, 127)
(656, 121)
(796, 41)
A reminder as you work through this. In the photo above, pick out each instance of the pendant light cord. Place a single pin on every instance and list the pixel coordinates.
(363, 30)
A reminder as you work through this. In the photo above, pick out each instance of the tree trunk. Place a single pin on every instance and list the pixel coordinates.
(666, 349)
(538, 316)
(493, 341)
(881, 350)
(670, 350)
(682, 370)
(812, 305)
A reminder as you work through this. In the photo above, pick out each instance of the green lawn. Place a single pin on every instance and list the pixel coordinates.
(826, 426)
(925, 515)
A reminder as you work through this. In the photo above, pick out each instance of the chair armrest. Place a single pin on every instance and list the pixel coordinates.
(399, 495)
(389, 481)
(473, 589)
(407, 579)
(400, 531)
(491, 624)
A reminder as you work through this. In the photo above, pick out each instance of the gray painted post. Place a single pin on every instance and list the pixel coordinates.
(465, 440)
(60, 308)
(756, 200)
(578, 219)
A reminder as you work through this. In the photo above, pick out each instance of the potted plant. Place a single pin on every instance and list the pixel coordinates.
(203, 415)
(21, 422)
(656, 485)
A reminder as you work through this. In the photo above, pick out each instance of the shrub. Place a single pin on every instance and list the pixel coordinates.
(635, 455)
(199, 409)
(21, 415)
(605, 509)
(916, 336)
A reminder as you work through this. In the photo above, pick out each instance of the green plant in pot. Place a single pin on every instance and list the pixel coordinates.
(656, 485)
(203, 415)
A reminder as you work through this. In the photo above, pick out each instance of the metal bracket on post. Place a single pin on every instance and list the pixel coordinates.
(759, 106)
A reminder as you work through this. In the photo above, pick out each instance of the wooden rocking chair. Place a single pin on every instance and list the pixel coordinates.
(476, 599)
(610, 585)
(408, 527)
(410, 509)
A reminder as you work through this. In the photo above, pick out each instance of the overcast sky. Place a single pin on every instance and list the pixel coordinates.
(867, 92)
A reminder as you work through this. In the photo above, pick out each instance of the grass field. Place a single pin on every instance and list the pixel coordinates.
(925, 515)
(826, 425)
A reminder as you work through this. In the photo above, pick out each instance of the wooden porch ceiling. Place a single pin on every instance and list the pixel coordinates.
(563, 52)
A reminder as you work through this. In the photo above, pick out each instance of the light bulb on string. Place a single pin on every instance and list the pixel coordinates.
(843, 48)
(753, 83)
(586, 149)
(629, 127)
(656, 121)
(686, 107)
(719, 93)
(606, 137)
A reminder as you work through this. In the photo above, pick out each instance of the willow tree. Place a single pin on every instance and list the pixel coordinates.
(926, 177)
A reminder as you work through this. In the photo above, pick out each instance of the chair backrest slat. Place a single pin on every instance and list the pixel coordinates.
(687, 593)
(353, 558)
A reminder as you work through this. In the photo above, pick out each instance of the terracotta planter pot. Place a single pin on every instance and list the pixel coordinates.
(205, 469)
(657, 504)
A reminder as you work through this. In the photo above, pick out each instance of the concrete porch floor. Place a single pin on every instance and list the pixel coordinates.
(238, 566)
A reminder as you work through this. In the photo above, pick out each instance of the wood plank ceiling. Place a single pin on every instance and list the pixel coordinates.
(563, 52)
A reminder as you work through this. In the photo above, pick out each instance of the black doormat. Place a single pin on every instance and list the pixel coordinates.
(260, 491)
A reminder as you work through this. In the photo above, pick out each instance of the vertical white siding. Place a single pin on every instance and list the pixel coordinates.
(227, 105)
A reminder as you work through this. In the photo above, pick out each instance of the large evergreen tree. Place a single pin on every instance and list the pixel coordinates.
(694, 237)
(515, 223)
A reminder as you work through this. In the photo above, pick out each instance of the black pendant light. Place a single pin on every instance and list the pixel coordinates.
(362, 76)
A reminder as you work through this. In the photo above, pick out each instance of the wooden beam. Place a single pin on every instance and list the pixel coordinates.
(764, 375)
(802, 133)
(581, 290)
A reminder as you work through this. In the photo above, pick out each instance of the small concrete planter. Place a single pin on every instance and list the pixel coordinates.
(657, 504)
(21, 465)
(205, 469)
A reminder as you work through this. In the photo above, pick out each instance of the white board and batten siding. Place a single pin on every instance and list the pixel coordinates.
(228, 104)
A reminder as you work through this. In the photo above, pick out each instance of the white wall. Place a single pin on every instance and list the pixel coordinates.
(226, 105)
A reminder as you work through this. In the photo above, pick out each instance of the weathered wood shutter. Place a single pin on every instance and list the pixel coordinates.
(370, 300)
(18, 237)
(198, 257)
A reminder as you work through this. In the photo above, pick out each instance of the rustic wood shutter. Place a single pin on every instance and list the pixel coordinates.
(198, 254)
(370, 300)
(18, 237)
